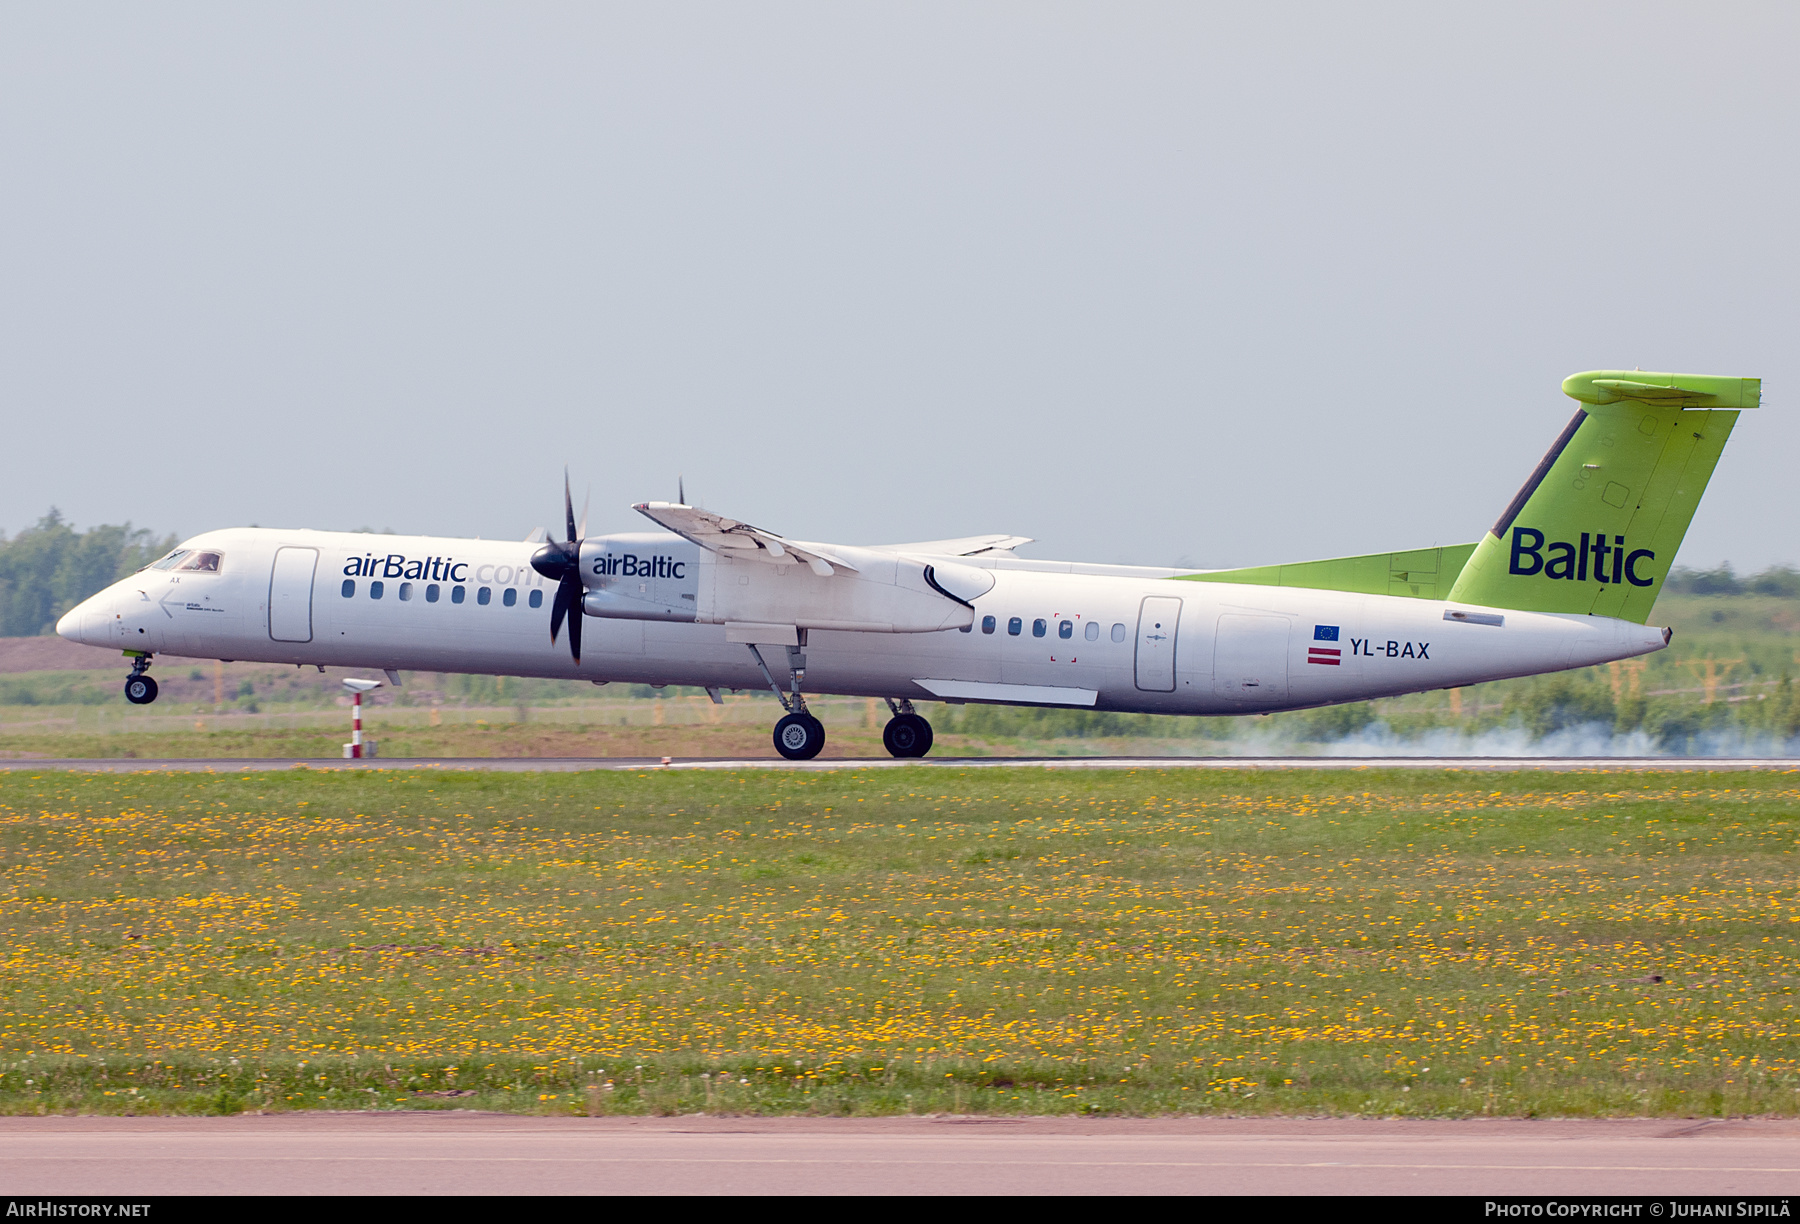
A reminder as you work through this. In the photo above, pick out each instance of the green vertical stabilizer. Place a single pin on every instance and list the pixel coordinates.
(1597, 526)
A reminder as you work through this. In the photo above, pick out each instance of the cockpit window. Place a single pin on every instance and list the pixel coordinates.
(172, 560)
(201, 562)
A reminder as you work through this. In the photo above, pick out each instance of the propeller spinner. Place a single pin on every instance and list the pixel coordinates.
(561, 562)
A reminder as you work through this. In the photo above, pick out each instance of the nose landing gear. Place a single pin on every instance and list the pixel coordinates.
(140, 689)
(906, 734)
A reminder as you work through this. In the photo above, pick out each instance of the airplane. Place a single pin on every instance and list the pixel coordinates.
(1566, 578)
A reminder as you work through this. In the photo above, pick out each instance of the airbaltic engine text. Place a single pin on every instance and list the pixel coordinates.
(630, 565)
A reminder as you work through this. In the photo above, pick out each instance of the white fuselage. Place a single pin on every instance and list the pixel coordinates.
(1089, 636)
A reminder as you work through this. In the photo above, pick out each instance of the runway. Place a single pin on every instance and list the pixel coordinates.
(468, 1153)
(579, 764)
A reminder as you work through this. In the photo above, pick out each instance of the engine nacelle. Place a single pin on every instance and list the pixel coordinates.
(646, 575)
(653, 576)
(885, 593)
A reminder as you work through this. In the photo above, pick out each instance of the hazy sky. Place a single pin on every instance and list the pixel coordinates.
(1223, 284)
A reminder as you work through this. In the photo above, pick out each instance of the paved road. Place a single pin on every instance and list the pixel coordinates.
(575, 764)
(470, 1153)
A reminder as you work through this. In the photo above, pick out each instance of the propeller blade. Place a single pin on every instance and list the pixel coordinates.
(681, 490)
(585, 498)
(559, 608)
(563, 563)
(575, 618)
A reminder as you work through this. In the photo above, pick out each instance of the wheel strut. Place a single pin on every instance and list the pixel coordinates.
(792, 701)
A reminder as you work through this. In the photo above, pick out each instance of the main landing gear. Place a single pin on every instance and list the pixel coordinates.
(798, 736)
(140, 689)
(906, 734)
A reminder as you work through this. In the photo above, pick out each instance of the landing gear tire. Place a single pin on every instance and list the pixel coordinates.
(140, 690)
(799, 737)
(906, 735)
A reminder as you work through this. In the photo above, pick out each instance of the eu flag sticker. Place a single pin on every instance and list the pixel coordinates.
(1325, 633)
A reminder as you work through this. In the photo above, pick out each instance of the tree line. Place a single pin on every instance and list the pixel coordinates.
(1782, 580)
(47, 569)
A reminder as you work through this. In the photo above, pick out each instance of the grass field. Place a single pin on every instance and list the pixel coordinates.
(415, 738)
(901, 941)
(408, 734)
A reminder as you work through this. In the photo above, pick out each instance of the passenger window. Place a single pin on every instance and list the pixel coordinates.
(431, 593)
(405, 591)
(375, 590)
(484, 596)
(1066, 630)
(1092, 632)
(510, 596)
(1014, 625)
(1118, 633)
(965, 628)
(987, 624)
(349, 587)
(1038, 627)
(201, 562)
(172, 560)
(537, 599)
(456, 594)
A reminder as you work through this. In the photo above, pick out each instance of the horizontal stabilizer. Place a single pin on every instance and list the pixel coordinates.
(1626, 389)
(1663, 390)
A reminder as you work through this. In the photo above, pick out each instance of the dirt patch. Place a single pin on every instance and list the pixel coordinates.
(36, 654)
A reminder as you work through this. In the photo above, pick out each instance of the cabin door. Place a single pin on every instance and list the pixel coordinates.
(290, 594)
(1158, 619)
(1250, 658)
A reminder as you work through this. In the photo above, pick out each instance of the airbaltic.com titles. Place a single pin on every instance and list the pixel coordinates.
(449, 569)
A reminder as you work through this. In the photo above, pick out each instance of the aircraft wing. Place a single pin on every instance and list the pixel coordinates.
(967, 546)
(729, 537)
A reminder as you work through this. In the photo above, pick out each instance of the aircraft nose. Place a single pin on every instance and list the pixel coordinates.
(83, 623)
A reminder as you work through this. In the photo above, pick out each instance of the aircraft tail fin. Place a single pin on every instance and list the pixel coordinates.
(1595, 528)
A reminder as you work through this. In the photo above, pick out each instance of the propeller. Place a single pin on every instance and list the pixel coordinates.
(561, 562)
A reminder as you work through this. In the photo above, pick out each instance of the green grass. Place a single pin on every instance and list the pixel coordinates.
(412, 741)
(890, 941)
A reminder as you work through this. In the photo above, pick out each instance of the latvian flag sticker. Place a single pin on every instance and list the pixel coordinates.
(1331, 656)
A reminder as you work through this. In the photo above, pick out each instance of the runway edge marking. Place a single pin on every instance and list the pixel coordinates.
(580, 764)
